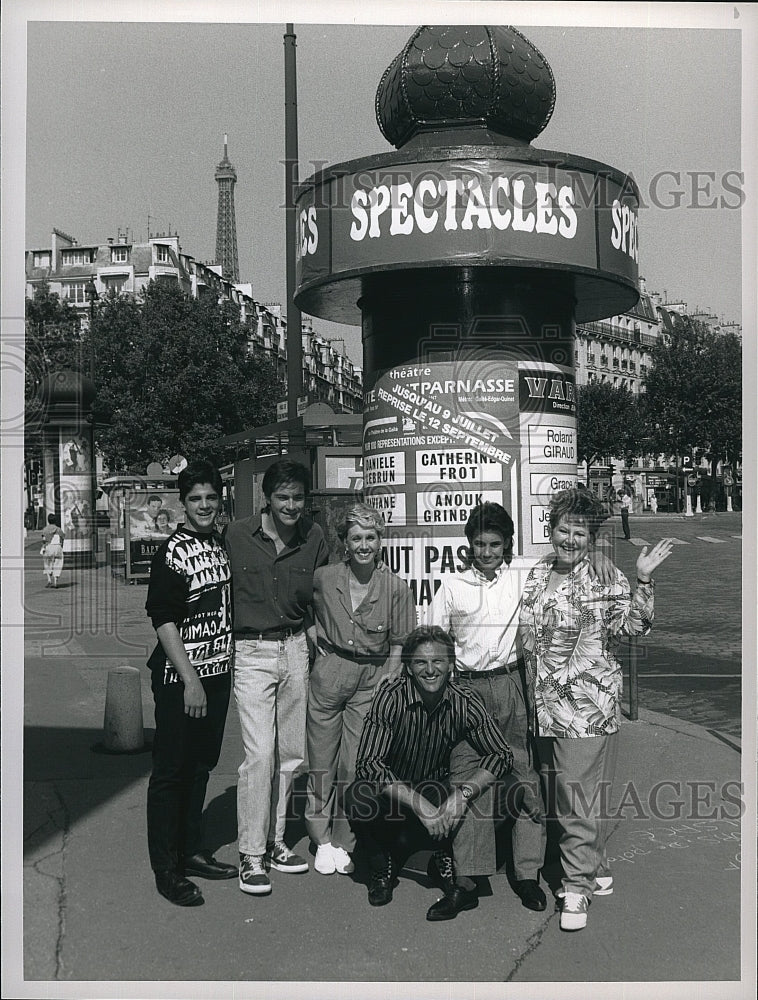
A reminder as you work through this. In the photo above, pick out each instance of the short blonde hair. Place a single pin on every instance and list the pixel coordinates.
(361, 514)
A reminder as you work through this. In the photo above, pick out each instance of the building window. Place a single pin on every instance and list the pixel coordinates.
(119, 255)
(42, 259)
(161, 254)
(76, 257)
(76, 292)
(591, 360)
(114, 282)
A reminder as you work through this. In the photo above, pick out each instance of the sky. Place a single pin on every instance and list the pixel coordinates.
(126, 121)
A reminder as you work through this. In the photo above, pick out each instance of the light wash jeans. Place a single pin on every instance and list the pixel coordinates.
(271, 690)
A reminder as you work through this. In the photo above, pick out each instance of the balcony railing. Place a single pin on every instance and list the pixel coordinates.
(611, 331)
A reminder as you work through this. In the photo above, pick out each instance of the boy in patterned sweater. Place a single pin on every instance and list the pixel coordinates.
(189, 604)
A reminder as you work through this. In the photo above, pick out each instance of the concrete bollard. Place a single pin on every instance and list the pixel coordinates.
(122, 726)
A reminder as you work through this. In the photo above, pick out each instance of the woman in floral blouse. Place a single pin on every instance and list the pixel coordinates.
(570, 626)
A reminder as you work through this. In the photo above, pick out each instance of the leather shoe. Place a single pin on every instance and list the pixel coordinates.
(451, 904)
(530, 894)
(178, 890)
(380, 891)
(204, 865)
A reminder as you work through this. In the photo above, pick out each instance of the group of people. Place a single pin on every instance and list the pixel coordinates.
(415, 735)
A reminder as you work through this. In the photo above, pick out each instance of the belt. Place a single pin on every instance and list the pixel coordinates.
(272, 634)
(346, 654)
(509, 668)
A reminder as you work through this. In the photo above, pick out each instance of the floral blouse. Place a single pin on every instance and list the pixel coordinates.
(569, 639)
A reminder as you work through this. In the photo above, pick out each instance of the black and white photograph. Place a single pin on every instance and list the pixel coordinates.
(378, 499)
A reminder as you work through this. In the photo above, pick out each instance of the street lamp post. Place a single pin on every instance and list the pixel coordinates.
(688, 482)
(92, 296)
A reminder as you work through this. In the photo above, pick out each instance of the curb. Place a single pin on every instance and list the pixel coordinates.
(692, 729)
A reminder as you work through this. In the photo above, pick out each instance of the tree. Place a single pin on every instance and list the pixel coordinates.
(694, 393)
(173, 375)
(608, 422)
(671, 384)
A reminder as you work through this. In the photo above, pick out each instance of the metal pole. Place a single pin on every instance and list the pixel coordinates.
(92, 291)
(291, 175)
(633, 693)
(676, 483)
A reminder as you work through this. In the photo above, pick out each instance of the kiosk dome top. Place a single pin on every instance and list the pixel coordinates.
(466, 77)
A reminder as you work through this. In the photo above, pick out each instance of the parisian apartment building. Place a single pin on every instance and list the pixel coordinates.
(77, 272)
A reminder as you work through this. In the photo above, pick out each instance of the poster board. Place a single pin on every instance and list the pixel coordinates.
(150, 516)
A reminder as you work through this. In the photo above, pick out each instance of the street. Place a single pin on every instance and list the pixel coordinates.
(690, 665)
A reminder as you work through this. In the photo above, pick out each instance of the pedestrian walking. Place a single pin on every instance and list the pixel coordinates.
(626, 506)
(364, 613)
(189, 604)
(428, 749)
(653, 503)
(273, 558)
(570, 627)
(52, 550)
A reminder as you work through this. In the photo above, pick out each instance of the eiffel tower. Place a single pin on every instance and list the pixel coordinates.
(226, 223)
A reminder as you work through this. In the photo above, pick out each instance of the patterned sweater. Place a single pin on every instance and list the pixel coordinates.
(190, 586)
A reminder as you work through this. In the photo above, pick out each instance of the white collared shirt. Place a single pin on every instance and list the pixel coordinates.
(482, 615)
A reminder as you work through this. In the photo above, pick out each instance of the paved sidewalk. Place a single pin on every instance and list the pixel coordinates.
(92, 915)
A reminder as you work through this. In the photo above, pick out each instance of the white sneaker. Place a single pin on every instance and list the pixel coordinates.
(342, 860)
(603, 885)
(325, 862)
(574, 911)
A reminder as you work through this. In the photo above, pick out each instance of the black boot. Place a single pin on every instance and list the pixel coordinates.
(382, 881)
(456, 898)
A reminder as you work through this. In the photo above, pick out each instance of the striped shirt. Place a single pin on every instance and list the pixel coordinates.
(481, 615)
(402, 741)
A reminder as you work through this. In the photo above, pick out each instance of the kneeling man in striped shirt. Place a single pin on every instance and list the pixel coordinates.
(428, 758)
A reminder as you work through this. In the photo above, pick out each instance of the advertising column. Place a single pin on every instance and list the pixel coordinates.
(438, 439)
(441, 438)
(547, 426)
(74, 488)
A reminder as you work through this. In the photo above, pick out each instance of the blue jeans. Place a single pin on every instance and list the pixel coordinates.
(271, 690)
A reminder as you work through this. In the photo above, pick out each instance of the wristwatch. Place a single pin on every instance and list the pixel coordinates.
(467, 792)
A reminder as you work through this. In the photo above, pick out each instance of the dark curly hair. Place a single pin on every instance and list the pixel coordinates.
(197, 473)
(489, 516)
